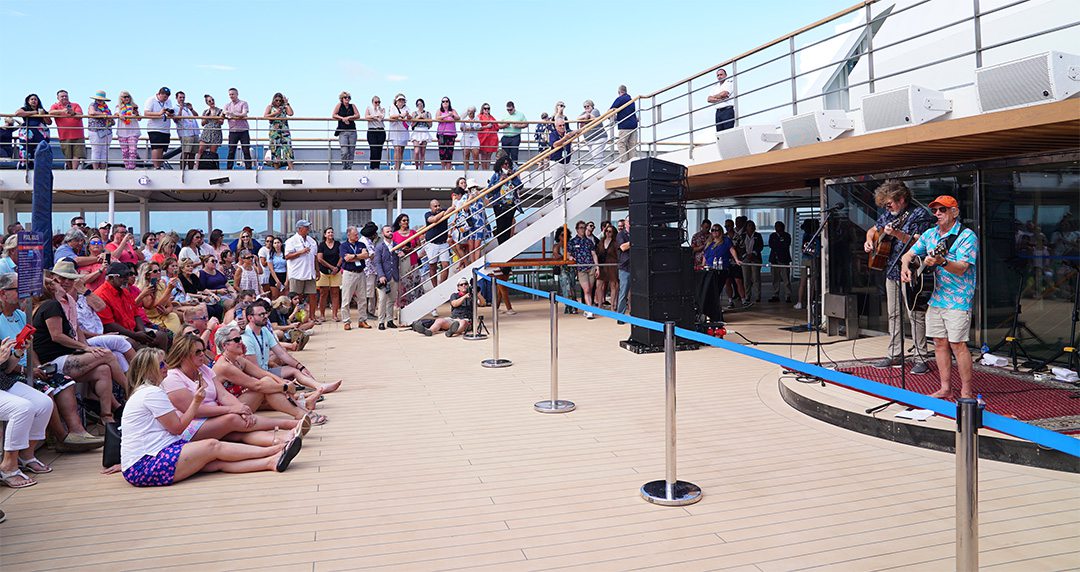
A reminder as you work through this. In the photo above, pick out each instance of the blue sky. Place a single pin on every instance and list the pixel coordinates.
(530, 51)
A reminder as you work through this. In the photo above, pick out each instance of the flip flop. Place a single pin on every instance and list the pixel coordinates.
(26, 465)
(316, 419)
(7, 478)
(289, 453)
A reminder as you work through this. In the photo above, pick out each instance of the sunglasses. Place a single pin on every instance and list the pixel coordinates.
(940, 209)
(161, 365)
(235, 340)
(485, 108)
(347, 97)
(249, 257)
(155, 271)
(446, 101)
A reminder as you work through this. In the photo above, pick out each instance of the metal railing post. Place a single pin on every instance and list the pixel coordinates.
(670, 491)
(475, 334)
(968, 420)
(794, 73)
(690, 113)
(495, 361)
(554, 405)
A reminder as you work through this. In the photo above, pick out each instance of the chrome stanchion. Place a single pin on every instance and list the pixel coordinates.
(495, 361)
(475, 334)
(554, 405)
(968, 420)
(670, 491)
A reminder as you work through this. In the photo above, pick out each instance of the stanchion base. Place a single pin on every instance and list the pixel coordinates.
(560, 406)
(496, 363)
(473, 337)
(682, 494)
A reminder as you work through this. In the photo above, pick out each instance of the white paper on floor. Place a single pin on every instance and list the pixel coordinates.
(915, 414)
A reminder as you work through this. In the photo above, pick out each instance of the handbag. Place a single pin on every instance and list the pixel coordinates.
(110, 454)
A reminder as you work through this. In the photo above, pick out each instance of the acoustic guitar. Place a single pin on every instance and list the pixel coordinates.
(923, 278)
(883, 244)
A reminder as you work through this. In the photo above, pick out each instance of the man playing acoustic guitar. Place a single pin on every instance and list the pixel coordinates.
(897, 227)
(948, 319)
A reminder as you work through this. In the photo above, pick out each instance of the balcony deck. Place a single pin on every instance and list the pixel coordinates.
(431, 462)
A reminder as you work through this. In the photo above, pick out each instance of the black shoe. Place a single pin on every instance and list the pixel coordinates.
(289, 453)
(453, 329)
(391, 325)
(382, 326)
(920, 368)
(620, 322)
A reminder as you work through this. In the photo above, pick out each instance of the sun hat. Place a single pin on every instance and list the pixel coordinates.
(104, 224)
(100, 96)
(66, 269)
(471, 184)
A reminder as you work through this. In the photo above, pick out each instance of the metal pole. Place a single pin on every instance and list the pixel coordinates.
(670, 491)
(495, 361)
(475, 334)
(112, 206)
(554, 405)
(968, 421)
(690, 114)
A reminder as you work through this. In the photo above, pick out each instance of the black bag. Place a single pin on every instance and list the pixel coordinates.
(110, 455)
(209, 161)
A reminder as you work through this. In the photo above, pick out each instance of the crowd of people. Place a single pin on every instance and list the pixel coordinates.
(198, 135)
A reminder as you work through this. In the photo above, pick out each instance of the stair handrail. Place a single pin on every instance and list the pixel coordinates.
(521, 170)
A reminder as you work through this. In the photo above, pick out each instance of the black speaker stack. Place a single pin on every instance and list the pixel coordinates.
(661, 268)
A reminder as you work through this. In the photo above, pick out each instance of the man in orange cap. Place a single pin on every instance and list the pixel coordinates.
(950, 252)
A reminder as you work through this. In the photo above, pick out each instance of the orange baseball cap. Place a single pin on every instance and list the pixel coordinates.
(944, 201)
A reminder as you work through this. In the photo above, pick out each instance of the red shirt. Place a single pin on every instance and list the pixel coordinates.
(119, 306)
(69, 127)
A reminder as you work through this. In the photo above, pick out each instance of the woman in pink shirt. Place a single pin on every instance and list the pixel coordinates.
(221, 415)
(122, 246)
(447, 132)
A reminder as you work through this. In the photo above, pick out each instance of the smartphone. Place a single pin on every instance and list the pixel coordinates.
(48, 369)
(108, 257)
(24, 336)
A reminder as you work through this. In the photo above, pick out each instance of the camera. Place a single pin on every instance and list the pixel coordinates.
(384, 287)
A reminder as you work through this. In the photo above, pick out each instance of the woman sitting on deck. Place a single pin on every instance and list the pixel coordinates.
(154, 451)
(220, 414)
(254, 386)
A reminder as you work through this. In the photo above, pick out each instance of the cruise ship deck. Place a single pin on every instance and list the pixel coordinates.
(432, 462)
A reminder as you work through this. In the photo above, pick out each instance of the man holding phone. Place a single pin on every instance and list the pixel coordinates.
(160, 110)
(119, 315)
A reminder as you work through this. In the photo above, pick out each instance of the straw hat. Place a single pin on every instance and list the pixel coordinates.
(471, 184)
(66, 269)
(100, 96)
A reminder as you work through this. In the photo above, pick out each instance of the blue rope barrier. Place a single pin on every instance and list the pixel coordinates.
(1006, 425)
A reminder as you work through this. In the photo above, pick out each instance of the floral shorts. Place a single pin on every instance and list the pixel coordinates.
(156, 471)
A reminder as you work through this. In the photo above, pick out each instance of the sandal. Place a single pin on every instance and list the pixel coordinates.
(28, 466)
(16, 479)
(303, 342)
(316, 419)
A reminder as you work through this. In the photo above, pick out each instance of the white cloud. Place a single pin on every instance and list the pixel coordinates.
(395, 77)
(216, 67)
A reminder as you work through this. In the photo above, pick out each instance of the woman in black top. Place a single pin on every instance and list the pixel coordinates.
(58, 342)
(346, 115)
(328, 262)
(197, 291)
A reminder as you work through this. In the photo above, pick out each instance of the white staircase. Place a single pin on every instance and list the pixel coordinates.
(528, 231)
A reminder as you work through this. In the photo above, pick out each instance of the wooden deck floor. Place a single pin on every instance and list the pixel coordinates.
(431, 462)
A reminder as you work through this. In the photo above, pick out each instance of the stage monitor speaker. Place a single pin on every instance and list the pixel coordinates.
(651, 214)
(747, 140)
(678, 281)
(654, 169)
(679, 309)
(814, 127)
(1042, 78)
(656, 236)
(649, 191)
(908, 105)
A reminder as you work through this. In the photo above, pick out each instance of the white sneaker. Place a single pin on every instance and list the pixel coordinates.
(511, 312)
(589, 316)
(799, 306)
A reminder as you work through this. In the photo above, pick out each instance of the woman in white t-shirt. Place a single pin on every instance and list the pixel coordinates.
(152, 453)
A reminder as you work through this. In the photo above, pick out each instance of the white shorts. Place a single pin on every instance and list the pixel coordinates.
(437, 252)
(470, 140)
(952, 324)
(420, 136)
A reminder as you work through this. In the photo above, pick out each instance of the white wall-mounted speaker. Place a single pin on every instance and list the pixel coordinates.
(816, 126)
(1042, 78)
(909, 105)
(747, 140)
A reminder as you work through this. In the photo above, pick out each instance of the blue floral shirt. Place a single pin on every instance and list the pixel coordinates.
(952, 292)
(581, 249)
(918, 222)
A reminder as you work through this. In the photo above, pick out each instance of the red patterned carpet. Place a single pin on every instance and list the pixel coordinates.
(1005, 392)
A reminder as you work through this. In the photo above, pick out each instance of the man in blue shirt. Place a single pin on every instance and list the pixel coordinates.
(626, 123)
(901, 223)
(948, 319)
(261, 344)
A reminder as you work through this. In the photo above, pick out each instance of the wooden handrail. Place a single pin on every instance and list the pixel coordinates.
(767, 45)
(528, 164)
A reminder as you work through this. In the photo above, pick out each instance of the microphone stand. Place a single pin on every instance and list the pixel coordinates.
(911, 317)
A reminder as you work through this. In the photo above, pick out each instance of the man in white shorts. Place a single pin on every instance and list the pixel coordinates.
(948, 319)
(435, 247)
